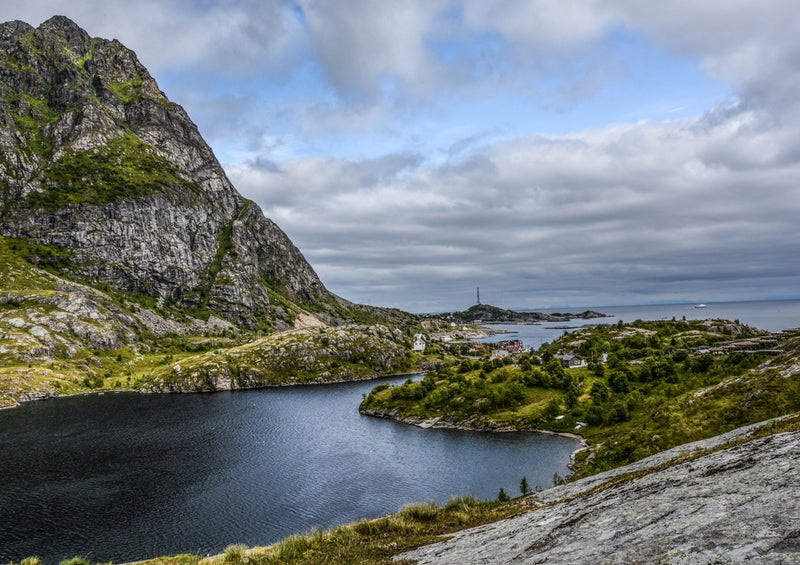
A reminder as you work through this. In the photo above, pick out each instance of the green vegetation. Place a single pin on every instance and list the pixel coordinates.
(660, 387)
(124, 167)
(31, 115)
(291, 357)
(47, 257)
(127, 90)
(88, 56)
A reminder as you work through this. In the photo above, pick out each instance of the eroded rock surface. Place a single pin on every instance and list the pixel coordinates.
(735, 505)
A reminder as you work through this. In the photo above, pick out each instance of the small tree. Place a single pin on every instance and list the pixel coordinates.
(502, 496)
(523, 486)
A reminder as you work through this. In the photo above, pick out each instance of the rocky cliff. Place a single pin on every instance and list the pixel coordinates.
(114, 185)
(124, 248)
(728, 499)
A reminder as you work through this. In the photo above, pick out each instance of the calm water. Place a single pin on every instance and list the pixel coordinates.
(127, 476)
(772, 315)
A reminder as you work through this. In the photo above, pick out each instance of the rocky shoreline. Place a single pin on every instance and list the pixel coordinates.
(54, 394)
(473, 424)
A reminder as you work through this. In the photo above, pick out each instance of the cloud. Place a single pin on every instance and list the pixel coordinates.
(416, 150)
(611, 214)
(229, 37)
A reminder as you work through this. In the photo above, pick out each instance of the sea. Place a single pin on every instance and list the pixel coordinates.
(770, 315)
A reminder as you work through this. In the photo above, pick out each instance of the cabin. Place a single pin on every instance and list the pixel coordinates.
(571, 361)
(419, 343)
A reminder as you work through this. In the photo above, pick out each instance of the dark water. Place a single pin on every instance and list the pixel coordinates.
(126, 476)
(772, 315)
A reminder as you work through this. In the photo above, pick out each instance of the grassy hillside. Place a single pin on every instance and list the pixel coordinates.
(663, 384)
(310, 355)
(59, 336)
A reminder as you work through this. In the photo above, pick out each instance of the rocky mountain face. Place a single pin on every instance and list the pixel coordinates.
(108, 182)
(727, 499)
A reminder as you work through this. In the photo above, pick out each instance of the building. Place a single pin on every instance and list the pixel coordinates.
(571, 361)
(419, 343)
(510, 345)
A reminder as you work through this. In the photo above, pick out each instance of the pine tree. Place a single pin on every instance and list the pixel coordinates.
(523, 486)
(502, 496)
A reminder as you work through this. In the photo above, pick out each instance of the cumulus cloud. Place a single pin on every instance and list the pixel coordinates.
(604, 215)
(230, 37)
(360, 128)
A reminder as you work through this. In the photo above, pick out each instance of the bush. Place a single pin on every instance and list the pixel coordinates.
(421, 512)
(235, 555)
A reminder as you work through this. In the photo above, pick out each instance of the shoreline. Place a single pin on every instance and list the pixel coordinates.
(46, 395)
(441, 422)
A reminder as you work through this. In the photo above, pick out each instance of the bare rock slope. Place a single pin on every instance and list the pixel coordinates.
(729, 499)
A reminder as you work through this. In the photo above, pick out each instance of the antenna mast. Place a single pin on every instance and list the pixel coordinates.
(479, 296)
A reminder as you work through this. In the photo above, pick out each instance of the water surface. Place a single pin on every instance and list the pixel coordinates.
(126, 476)
(771, 315)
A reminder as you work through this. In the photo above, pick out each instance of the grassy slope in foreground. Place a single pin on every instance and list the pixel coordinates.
(661, 387)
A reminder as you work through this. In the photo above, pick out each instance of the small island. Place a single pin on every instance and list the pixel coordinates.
(488, 314)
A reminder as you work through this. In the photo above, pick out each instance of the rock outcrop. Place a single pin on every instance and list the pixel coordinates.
(487, 313)
(305, 356)
(728, 499)
(113, 184)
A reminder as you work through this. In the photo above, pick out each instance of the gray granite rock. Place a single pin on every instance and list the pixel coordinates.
(738, 504)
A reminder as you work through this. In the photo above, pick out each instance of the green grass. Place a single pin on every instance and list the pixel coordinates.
(369, 542)
(127, 90)
(656, 391)
(123, 168)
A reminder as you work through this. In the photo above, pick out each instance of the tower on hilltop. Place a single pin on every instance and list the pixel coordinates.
(479, 296)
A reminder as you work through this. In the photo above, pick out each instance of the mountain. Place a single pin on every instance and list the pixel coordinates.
(124, 247)
(110, 182)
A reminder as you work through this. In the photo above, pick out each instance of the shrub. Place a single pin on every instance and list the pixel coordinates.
(420, 512)
(235, 555)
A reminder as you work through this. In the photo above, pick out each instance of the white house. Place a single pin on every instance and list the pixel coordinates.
(419, 343)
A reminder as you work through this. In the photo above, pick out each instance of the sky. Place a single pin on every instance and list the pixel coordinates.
(554, 153)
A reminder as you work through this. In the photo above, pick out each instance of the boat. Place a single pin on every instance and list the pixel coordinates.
(701, 306)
